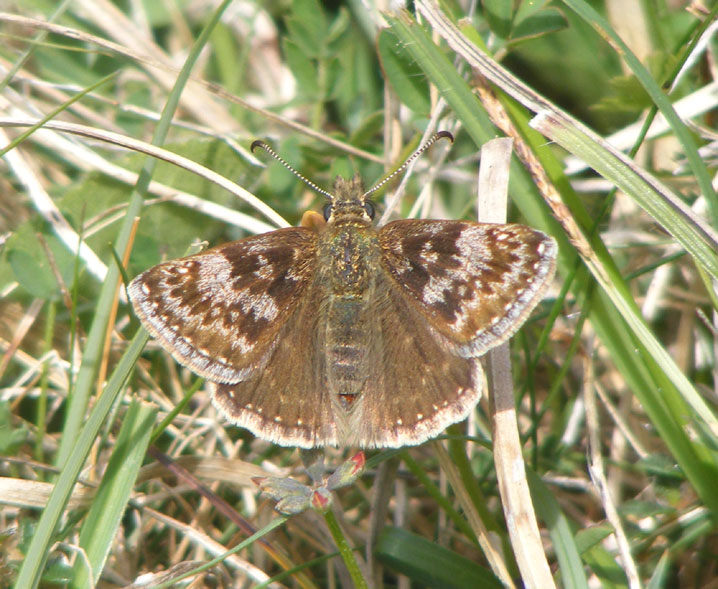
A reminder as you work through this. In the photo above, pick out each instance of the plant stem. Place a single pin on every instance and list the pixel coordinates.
(345, 550)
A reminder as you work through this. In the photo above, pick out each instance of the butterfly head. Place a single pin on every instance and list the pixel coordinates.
(349, 204)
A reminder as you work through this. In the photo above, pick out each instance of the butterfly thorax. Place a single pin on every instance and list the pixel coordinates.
(348, 246)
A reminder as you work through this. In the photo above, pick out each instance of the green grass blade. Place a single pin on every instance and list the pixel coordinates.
(77, 440)
(567, 553)
(100, 526)
(699, 239)
(34, 562)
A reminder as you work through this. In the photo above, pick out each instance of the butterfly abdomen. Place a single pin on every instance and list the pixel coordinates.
(346, 320)
(347, 343)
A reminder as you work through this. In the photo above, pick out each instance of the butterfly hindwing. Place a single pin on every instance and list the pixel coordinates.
(288, 401)
(415, 388)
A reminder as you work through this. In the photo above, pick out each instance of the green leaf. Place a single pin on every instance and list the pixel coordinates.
(499, 14)
(565, 543)
(303, 69)
(58, 571)
(429, 564)
(605, 566)
(165, 229)
(307, 26)
(279, 179)
(368, 128)
(33, 275)
(30, 262)
(11, 437)
(544, 22)
(339, 28)
(660, 465)
(529, 8)
(404, 75)
(590, 537)
(627, 95)
(636, 510)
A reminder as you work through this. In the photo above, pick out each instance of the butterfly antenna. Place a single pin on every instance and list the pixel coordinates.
(433, 139)
(276, 156)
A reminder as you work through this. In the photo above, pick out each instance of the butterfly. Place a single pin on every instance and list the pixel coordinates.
(345, 334)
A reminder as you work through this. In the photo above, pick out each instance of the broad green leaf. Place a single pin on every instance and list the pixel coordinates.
(544, 22)
(499, 14)
(403, 73)
(429, 564)
(307, 26)
(34, 275)
(303, 69)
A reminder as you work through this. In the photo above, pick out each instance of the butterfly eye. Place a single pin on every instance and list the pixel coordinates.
(369, 208)
(327, 211)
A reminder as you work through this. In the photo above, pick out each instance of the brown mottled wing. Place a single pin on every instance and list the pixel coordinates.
(288, 402)
(220, 312)
(416, 387)
(474, 283)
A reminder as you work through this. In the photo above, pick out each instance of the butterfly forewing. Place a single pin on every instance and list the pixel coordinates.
(473, 283)
(219, 312)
